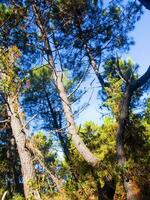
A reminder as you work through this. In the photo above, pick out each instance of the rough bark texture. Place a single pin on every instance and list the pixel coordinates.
(124, 113)
(133, 190)
(12, 156)
(24, 154)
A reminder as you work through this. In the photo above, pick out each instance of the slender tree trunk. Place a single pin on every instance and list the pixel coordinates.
(61, 135)
(95, 67)
(24, 154)
(77, 141)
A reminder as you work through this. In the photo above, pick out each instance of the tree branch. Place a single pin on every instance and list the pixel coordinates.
(141, 81)
(145, 3)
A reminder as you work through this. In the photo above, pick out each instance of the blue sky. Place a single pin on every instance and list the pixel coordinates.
(139, 53)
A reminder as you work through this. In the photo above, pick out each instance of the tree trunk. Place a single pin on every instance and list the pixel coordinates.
(124, 113)
(56, 125)
(133, 190)
(95, 67)
(12, 156)
(129, 185)
(24, 154)
(77, 141)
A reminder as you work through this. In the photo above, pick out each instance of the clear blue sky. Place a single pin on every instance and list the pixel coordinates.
(140, 54)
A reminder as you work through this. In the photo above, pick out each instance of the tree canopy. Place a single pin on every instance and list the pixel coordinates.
(52, 52)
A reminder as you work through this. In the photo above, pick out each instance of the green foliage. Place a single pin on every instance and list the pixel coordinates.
(9, 79)
(85, 22)
(17, 197)
(147, 112)
(5, 13)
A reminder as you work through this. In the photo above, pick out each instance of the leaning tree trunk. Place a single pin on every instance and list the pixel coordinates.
(79, 144)
(19, 134)
(77, 141)
(88, 156)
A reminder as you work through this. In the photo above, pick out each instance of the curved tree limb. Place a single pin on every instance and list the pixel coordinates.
(145, 3)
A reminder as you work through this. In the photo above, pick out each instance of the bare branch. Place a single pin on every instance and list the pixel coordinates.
(4, 121)
(4, 195)
(32, 118)
(80, 82)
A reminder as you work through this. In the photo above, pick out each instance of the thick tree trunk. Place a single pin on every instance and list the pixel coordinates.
(12, 155)
(24, 154)
(133, 190)
(129, 185)
(124, 113)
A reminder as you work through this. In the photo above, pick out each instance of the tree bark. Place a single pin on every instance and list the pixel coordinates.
(132, 86)
(12, 155)
(77, 141)
(95, 67)
(19, 134)
(124, 114)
